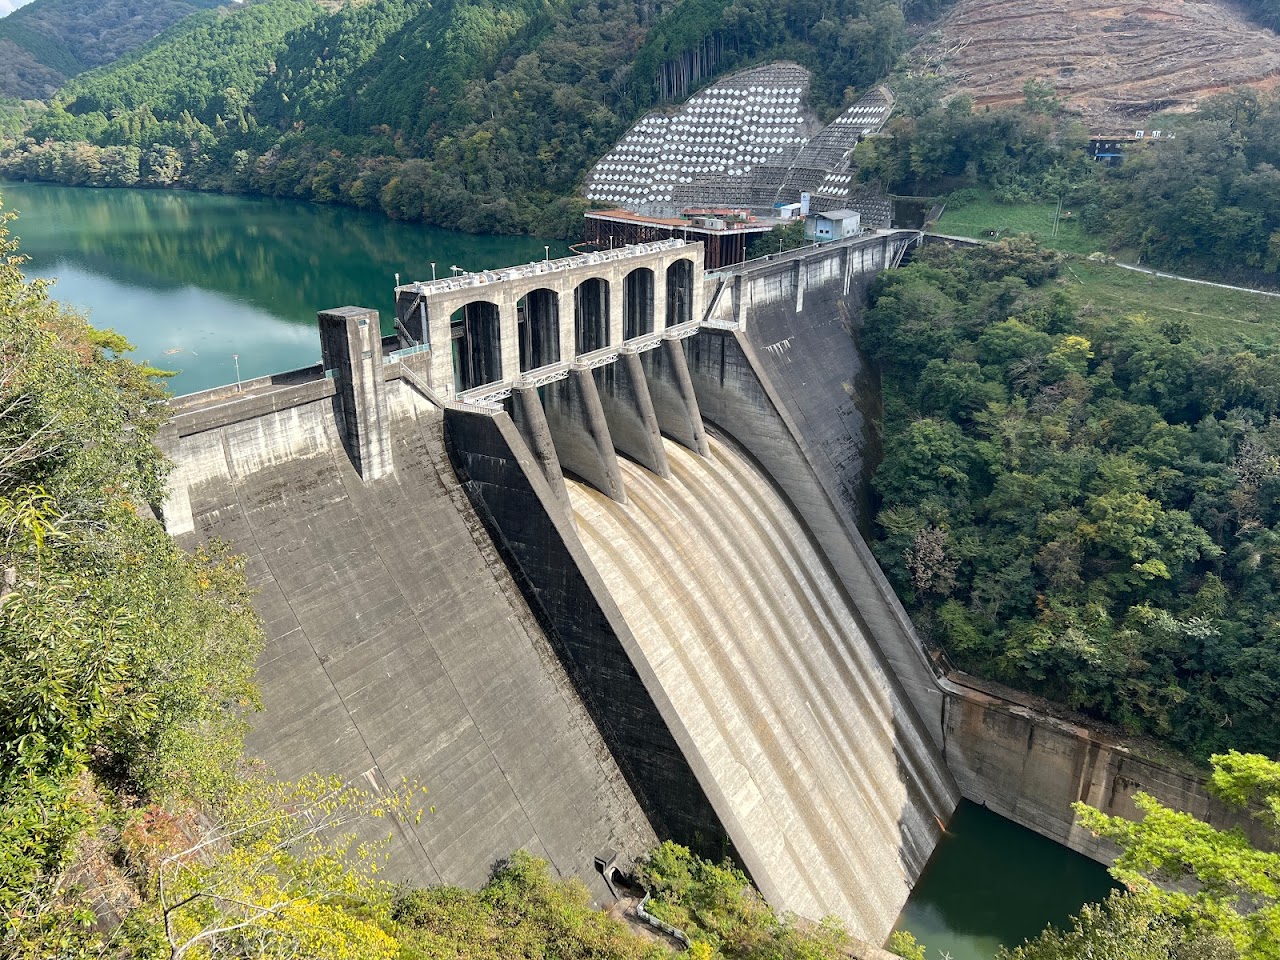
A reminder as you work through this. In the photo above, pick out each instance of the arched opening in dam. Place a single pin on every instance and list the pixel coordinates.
(475, 331)
(679, 292)
(637, 303)
(591, 315)
(538, 327)
(827, 776)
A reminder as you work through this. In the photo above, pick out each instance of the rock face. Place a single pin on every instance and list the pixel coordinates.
(1115, 62)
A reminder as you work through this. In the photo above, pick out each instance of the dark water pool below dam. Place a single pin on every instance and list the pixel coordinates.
(992, 882)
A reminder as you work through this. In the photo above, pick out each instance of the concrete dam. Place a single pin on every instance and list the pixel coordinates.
(818, 758)
(577, 549)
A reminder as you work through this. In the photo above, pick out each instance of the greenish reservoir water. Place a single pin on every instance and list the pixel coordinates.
(194, 279)
(992, 882)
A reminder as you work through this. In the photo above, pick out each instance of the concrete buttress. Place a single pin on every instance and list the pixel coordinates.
(671, 391)
(628, 408)
(351, 348)
(531, 421)
(581, 432)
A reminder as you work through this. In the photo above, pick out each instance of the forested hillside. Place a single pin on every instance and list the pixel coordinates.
(1264, 12)
(1080, 504)
(467, 113)
(47, 42)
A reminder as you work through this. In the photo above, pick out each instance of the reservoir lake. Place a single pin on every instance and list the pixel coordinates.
(196, 280)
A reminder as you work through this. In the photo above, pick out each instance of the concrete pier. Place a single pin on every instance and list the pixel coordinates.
(351, 348)
(581, 434)
(671, 390)
(628, 408)
(531, 421)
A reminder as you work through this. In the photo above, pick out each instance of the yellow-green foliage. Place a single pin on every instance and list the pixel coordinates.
(723, 916)
(906, 946)
(522, 912)
(1212, 883)
(280, 873)
(124, 662)
(1123, 927)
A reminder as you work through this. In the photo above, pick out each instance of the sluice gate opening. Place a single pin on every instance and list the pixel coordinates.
(591, 315)
(679, 292)
(538, 327)
(475, 332)
(637, 304)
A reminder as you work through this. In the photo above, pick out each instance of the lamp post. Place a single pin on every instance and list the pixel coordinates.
(236, 358)
(433, 269)
(546, 251)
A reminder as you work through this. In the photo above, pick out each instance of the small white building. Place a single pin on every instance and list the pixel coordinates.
(833, 225)
(787, 211)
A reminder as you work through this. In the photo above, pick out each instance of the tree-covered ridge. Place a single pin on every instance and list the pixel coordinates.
(1081, 505)
(465, 113)
(210, 65)
(1264, 12)
(47, 42)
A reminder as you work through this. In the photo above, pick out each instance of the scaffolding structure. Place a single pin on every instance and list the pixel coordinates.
(722, 247)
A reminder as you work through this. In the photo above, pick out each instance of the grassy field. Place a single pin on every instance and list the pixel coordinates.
(984, 217)
(1218, 317)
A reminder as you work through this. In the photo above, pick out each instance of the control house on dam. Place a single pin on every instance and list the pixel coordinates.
(577, 548)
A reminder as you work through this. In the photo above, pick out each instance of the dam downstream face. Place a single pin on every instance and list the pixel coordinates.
(828, 788)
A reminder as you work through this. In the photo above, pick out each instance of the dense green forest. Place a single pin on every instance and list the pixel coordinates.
(47, 42)
(1264, 12)
(1083, 505)
(465, 113)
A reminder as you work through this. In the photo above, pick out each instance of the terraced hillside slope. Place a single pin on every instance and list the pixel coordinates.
(1115, 62)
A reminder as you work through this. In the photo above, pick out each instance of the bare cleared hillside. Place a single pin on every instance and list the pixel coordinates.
(1114, 62)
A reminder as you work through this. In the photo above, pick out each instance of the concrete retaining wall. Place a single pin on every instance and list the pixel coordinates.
(1031, 768)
